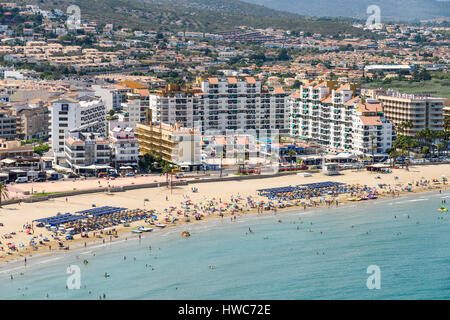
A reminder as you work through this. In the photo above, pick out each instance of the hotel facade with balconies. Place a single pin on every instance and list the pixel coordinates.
(87, 151)
(338, 118)
(223, 104)
(423, 112)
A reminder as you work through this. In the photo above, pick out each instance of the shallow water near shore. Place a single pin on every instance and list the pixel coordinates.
(277, 260)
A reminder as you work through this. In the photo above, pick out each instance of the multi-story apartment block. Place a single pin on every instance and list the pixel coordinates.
(111, 95)
(124, 147)
(172, 143)
(176, 105)
(67, 114)
(87, 151)
(32, 121)
(222, 104)
(135, 109)
(337, 118)
(423, 112)
(8, 125)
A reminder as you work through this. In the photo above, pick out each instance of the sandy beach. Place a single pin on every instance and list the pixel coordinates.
(15, 216)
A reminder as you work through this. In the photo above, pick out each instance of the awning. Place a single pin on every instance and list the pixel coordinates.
(93, 167)
(8, 161)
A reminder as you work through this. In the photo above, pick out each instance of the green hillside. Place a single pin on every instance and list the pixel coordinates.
(197, 15)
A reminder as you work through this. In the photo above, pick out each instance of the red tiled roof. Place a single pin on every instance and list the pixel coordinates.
(250, 80)
(369, 107)
(351, 101)
(370, 121)
(232, 80)
(213, 80)
(278, 90)
(327, 99)
(296, 94)
(309, 84)
(319, 85)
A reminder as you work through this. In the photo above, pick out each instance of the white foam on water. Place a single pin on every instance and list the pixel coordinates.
(414, 200)
(10, 270)
(48, 260)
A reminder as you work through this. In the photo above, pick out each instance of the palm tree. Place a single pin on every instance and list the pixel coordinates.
(166, 170)
(394, 154)
(291, 155)
(441, 146)
(4, 193)
(404, 126)
(221, 155)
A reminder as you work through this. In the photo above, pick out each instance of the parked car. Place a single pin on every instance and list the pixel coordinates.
(72, 175)
(102, 174)
(21, 180)
(39, 180)
(130, 174)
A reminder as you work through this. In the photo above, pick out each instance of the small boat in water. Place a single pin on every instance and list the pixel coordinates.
(443, 209)
(160, 225)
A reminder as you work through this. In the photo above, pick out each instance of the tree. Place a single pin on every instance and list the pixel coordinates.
(291, 155)
(441, 146)
(297, 84)
(221, 155)
(283, 55)
(404, 126)
(166, 170)
(41, 149)
(394, 154)
(405, 144)
(4, 193)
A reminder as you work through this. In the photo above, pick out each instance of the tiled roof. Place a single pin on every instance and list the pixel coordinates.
(371, 121)
(250, 80)
(213, 80)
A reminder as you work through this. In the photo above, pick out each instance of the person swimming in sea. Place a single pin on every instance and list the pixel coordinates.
(107, 275)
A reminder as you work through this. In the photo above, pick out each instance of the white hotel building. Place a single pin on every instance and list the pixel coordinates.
(87, 151)
(221, 104)
(337, 118)
(124, 147)
(67, 113)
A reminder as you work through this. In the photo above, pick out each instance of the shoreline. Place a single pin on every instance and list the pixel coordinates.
(211, 193)
(125, 234)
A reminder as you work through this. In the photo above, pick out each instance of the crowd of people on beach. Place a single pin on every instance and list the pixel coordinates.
(306, 196)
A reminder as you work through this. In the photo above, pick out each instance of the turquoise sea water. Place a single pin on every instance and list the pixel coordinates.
(276, 261)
